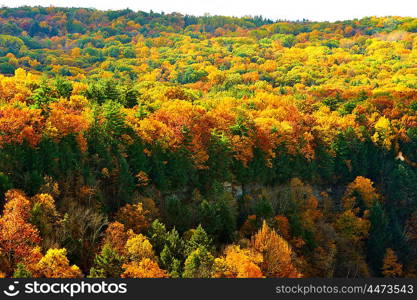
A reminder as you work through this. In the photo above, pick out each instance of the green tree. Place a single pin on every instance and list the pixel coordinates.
(21, 271)
(178, 214)
(379, 236)
(107, 264)
(199, 264)
(198, 239)
(63, 87)
(158, 235)
(172, 254)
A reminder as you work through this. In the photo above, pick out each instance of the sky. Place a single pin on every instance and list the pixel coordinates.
(315, 10)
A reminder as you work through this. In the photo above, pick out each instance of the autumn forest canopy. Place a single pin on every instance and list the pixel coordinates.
(153, 145)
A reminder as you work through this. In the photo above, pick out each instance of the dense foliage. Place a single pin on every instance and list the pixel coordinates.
(138, 144)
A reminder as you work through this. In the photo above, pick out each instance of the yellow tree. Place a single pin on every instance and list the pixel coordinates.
(277, 254)
(391, 267)
(138, 247)
(140, 259)
(145, 268)
(55, 264)
(360, 191)
(238, 263)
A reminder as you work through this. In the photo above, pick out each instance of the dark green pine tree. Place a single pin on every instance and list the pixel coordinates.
(172, 258)
(218, 217)
(178, 214)
(4, 184)
(399, 240)
(199, 238)
(379, 237)
(157, 235)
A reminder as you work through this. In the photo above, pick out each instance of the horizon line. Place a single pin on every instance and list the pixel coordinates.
(208, 14)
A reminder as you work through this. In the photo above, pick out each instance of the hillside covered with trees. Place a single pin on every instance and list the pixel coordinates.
(153, 145)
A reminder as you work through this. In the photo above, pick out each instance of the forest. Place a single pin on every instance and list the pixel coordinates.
(153, 145)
